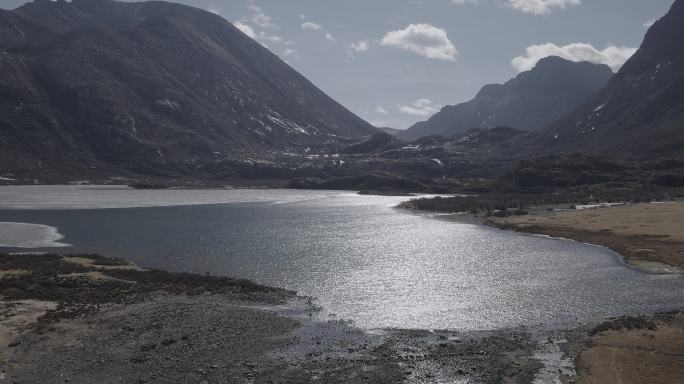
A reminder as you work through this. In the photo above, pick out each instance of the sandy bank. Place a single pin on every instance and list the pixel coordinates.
(649, 236)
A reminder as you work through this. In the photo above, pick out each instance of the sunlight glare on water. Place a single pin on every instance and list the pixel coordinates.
(361, 258)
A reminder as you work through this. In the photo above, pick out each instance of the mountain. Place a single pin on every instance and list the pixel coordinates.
(391, 131)
(149, 87)
(640, 112)
(530, 101)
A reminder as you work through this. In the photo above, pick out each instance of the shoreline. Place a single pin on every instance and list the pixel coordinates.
(118, 320)
(555, 224)
(275, 338)
(622, 350)
(634, 232)
(88, 318)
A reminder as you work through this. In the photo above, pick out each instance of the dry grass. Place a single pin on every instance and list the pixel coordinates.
(9, 273)
(92, 276)
(635, 356)
(647, 235)
(98, 263)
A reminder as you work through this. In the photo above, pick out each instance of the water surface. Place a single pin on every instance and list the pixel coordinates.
(361, 258)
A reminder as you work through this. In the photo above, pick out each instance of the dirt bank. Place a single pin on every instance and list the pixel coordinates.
(649, 236)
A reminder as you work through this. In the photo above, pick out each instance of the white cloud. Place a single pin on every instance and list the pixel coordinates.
(420, 107)
(215, 11)
(261, 19)
(540, 7)
(266, 37)
(290, 52)
(261, 37)
(537, 7)
(612, 56)
(246, 29)
(311, 26)
(423, 39)
(379, 109)
(359, 46)
(650, 23)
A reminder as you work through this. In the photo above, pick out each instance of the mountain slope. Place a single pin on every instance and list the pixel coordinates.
(391, 131)
(150, 87)
(641, 110)
(530, 101)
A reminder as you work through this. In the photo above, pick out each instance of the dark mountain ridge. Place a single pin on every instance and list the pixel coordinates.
(530, 101)
(641, 110)
(149, 87)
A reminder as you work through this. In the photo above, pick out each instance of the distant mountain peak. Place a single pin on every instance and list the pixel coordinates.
(559, 63)
(530, 101)
(641, 110)
(491, 90)
(551, 60)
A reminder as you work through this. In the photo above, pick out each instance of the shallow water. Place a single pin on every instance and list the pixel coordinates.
(22, 235)
(361, 258)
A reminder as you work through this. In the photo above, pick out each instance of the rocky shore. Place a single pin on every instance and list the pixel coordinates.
(86, 319)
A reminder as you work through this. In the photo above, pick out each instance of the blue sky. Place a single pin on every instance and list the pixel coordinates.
(395, 62)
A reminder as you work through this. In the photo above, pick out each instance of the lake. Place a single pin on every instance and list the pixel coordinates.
(361, 258)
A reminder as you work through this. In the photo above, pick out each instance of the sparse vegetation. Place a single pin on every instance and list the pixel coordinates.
(53, 278)
(148, 186)
(564, 181)
(628, 323)
(508, 204)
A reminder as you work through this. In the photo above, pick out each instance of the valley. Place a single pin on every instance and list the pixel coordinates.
(61, 310)
(179, 203)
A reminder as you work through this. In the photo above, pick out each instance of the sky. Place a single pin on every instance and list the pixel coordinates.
(396, 62)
